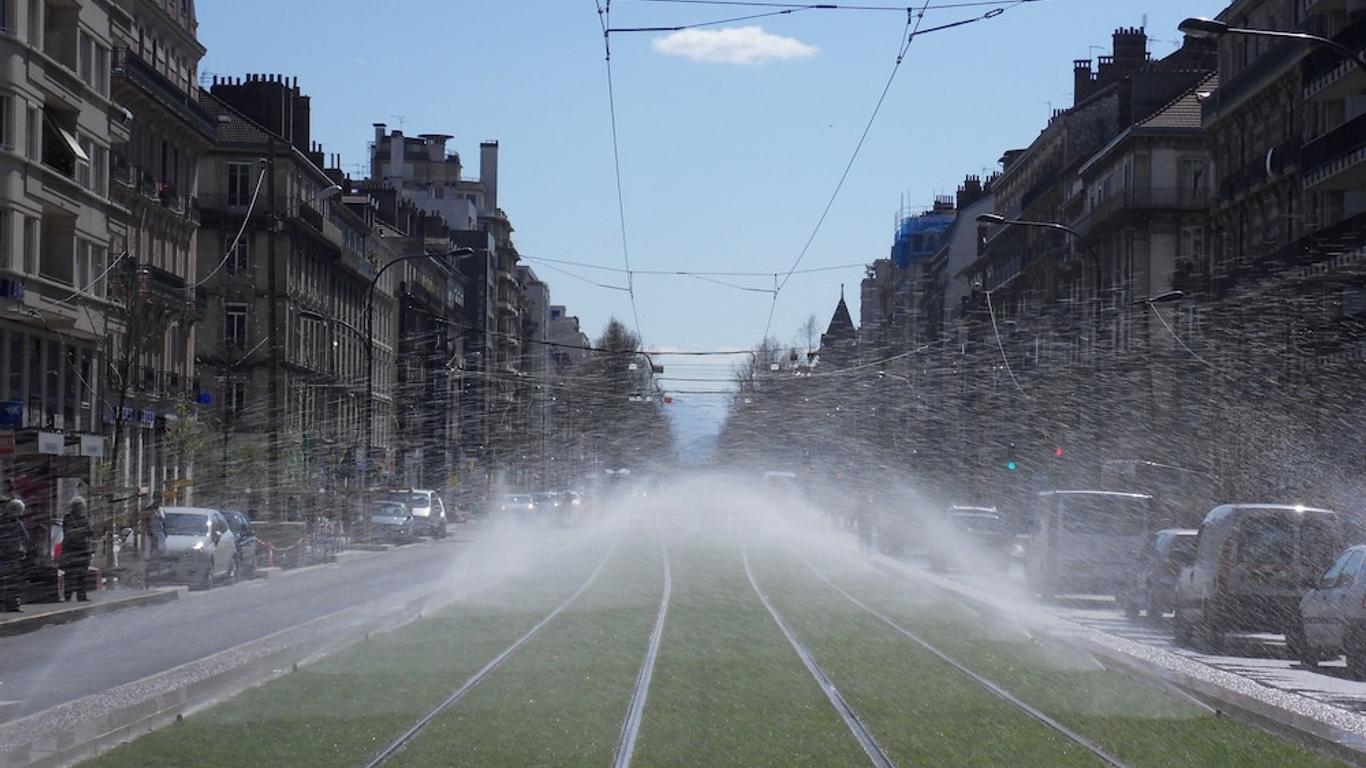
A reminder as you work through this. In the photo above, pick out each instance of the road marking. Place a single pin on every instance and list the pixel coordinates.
(626, 747)
(856, 726)
(479, 676)
(1009, 697)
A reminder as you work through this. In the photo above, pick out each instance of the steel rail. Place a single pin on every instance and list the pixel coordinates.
(630, 729)
(981, 680)
(856, 726)
(478, 677)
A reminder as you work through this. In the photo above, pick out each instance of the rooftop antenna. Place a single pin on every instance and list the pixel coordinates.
(401, 120)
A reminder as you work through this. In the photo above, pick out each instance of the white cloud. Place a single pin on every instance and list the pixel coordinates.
(734, 45)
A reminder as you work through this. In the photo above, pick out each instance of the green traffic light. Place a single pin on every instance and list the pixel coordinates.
(1012, 466)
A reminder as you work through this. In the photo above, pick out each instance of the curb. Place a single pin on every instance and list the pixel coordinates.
(22, 624)
(1214, 687)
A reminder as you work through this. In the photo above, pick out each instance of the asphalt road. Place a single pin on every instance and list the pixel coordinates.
(61, 663)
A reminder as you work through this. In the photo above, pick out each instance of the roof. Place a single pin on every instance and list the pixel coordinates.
(1096, 493)
(1180, 115)
(841, 323)
(232, 126)
(1183, 113)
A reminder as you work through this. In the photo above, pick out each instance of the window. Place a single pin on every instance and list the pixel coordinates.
(99, 161)
(6, 120)
(35, 22)
(84, 270)
(5, 241)
(239, 183)
(83, 165)
(235, 324)
(30, 245)
(239, 259)
(1350, 569)
(235, 398)
(85, 64)
(31, 132)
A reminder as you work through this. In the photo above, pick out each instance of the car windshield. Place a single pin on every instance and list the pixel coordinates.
(588, 412)
(186, 524)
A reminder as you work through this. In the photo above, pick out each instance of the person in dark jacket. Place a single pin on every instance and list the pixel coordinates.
(77, 547)
(14, 554)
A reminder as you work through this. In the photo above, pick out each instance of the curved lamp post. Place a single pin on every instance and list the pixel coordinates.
(1211, 28)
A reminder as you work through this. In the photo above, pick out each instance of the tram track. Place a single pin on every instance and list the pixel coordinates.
(630, 728)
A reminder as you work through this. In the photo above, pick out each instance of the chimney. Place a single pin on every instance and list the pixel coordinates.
(436, 146)
(1130, 49)
(379, 132)
(970, 192)
(488, 173)
(396, 154)
(1083, 81)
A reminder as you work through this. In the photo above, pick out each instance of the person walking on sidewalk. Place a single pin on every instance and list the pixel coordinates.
(14, 553)
(77, 547)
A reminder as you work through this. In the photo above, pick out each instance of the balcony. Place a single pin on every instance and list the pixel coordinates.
(1327, 74)
(162, 285)
(1335, 159)
(129, 68)
(1313, 7)
(1117, 208)
(506, 307)
(1252, 79)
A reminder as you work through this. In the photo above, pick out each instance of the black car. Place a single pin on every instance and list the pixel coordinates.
(971, 532)
(1152, 590)
(246, 541)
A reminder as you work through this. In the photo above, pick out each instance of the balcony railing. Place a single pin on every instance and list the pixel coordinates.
(180, 102)
(1341, 141)
(162, 284)
(1323, 61)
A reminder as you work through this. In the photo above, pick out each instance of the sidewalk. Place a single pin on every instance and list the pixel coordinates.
(38, 615)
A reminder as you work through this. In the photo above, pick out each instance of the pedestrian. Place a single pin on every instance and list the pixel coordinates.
(14, 553)
(77, 548)
(156, 528)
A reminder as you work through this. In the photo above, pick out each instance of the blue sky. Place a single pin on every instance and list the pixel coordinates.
(725, 166)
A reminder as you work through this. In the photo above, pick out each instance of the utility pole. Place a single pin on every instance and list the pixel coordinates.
(272, 290)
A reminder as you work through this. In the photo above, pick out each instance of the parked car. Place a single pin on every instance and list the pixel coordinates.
(429, 513)
(1253, 564)
(970, 533)
(1085, 542)
(246, 541)
(391, 521)
(1333, 616)
(1152, 590)
(200, 548)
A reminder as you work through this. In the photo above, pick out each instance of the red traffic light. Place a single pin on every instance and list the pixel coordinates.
(1058, 453)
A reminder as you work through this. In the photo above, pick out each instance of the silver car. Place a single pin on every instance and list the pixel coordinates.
(201, 549)
(1333, 615)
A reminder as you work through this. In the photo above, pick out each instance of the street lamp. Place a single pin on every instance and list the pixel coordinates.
(370, 347)
(1211, 28)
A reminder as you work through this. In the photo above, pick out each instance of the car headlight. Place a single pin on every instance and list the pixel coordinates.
(198, 545)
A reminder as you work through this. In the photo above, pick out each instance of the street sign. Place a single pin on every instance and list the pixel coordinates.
(92, 446)
(12, 414)
(50, 442)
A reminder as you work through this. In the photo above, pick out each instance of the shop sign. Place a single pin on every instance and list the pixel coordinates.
(12, 413)
(11, 289)
(93, 446)
(7, 442)
(148, 418)
(50, 442)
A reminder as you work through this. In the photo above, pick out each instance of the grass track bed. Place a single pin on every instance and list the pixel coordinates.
(1136, 723)
(560, 700)
(345, 708)
(921, 710)
(728, 690)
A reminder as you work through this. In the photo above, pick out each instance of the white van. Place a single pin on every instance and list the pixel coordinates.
(1253, 564)
(1086, 542)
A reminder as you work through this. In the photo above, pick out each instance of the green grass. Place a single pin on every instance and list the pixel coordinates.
(921, 710)
(561, 699)
(1138, 724)
(345, 708)
(728, 690)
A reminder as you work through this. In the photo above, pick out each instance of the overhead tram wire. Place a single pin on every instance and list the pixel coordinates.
(908, 34)
(911, 32)
(605, 21)
(833, 6)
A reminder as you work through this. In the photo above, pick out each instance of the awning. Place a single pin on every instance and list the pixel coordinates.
(68, 137)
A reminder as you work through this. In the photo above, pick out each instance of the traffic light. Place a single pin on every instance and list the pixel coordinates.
(1058, 452)
(1011, 464)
